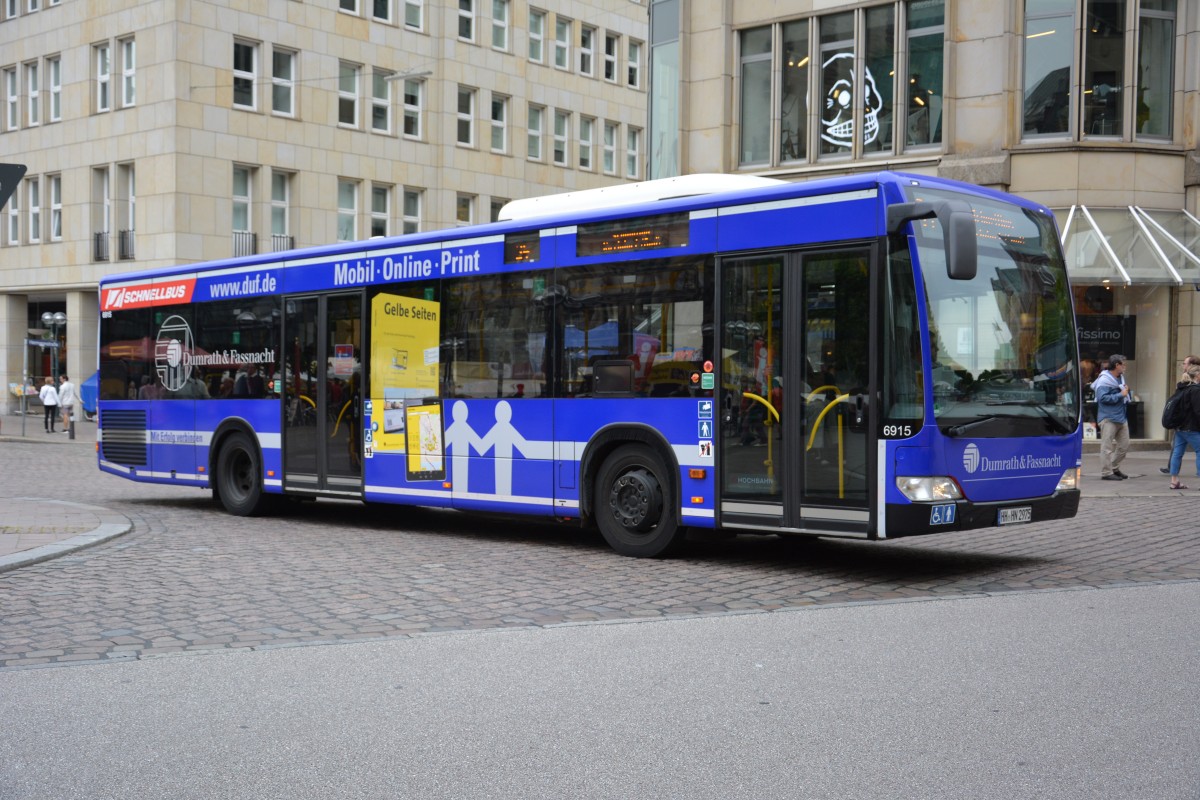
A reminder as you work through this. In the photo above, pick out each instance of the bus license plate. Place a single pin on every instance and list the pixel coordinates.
(1012, 516)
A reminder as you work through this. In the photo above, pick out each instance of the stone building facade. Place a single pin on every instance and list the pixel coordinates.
(1091, 107)
(159, 132)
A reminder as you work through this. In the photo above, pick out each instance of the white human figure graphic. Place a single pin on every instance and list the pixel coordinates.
(460, 438)
(505, 438)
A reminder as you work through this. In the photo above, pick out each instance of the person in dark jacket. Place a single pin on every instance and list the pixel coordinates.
(1112, 399)
(1188, 361)
(1189, 432)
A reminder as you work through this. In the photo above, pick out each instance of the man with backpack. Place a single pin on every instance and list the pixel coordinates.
(1188, 361)
(1112, 399)
(1186, 416)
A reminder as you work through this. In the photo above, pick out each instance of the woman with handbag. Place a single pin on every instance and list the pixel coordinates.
(1188, 432)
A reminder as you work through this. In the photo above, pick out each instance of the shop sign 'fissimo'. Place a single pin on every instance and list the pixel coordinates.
(147, 294)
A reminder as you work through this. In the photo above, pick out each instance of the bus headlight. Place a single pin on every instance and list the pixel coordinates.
(929, 489)
(1069, 480)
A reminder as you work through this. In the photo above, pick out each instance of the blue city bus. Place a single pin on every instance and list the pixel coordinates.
(874, 356)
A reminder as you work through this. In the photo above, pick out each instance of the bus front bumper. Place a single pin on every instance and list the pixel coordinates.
(917, 519)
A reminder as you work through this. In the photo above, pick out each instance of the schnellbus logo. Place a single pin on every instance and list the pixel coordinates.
(173, 353)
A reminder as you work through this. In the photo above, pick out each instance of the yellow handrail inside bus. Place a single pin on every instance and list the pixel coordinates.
(308, 400)
(339, 419)
(763, 400)
(821, 390)
(812, 438)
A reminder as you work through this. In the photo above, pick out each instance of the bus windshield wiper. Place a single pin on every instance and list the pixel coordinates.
(959, 430)
(1054, 422)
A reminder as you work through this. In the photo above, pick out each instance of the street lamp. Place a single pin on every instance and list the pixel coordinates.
(54, 321)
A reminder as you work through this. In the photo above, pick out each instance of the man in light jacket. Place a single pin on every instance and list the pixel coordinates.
(1112, 401)
(66, 401)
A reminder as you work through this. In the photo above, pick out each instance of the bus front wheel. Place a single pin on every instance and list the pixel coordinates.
(239, 484)
(635, 507)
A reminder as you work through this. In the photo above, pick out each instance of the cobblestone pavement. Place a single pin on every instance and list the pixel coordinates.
(190, 578)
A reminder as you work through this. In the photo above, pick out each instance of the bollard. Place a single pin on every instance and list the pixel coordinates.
(71, 429)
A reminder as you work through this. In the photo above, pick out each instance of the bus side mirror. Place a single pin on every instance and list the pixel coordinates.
(958, 231)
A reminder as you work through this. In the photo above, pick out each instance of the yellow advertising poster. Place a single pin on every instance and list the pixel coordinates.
(405, 335)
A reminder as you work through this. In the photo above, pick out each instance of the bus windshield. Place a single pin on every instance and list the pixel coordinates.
(1002, 346)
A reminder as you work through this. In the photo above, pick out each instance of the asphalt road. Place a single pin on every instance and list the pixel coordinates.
(1057, 661)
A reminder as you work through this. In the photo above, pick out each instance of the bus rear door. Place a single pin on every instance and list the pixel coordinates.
(322, 356)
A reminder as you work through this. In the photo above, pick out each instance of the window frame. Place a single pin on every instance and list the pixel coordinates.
(12, 99)
(634, 54)
(55, 186)
(381, 78)
(248, 78)
(127, 51)
(54, 88)
(501, 24)
(537, 38)
(378, 216)
(465, 119)
(286, 85)
(33, 209)
(499, 124)
(611, 72)
(564, 27)
(243, 202)
(413, 197)
(33, 94)
(348, 98)
(466, 20)
(414, 111)
(561, 138)
(633, 152)
(586, 144)
(535, 134)
(610, 136)
(587, 50)
(347, 213)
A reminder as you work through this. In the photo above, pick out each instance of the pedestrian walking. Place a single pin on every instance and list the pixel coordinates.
(1112, 401)
(1188, 433)
(67, 399)
(49, 398)
(1188, 361)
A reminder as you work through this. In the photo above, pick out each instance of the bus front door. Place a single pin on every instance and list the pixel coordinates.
(795, 445)
(322, 448)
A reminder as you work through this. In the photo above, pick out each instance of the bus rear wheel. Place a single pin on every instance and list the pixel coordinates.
(635, 506)
(238, 477)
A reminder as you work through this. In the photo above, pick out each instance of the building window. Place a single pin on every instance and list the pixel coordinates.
(633, 153)
(562, 43)
(349, 6)
(499, 124)
(413, 90)
(244, 240)
(414, 14)
(466, 20)
(347, 199)
(875, 95)
(13, 231)
(128, 48)
(281, 192)
(241, 199)
(464, 209)
(55, 182)
(612, 46)
(381, 205)
(466, 116)
(381, 101)
(587, 129)
(103, 78)
(126, 210)
(1109, 102)
(102, 213)
(755, 96)
(245, 75)
(10, 9)
(495, 207)
(537, 35)
(793, 87)
(634, 64)
(500, 12)
(411, 219)
(923, 90)
(587, 51)
(35, 209)
(1156, 69)
(610, 147)
(33, 96)
(534, 132)
(12, 101)
(54, 67)
(348, 75)
(381, 10)
(562, 127)
(283, 82)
